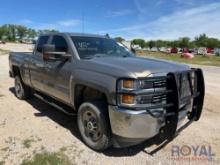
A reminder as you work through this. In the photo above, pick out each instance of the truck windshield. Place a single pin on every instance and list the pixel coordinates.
(90, 47)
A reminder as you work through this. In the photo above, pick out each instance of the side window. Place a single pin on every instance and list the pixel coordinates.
(42, 40)
(60, 44)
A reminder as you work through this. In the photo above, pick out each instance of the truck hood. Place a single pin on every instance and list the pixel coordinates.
(131, 66)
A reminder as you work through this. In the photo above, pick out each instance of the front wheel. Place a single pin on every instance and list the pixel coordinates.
(94, 126)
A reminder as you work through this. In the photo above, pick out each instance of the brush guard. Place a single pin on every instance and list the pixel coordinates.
(179, 97)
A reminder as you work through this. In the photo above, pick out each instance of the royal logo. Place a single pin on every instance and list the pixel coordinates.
(192, 152)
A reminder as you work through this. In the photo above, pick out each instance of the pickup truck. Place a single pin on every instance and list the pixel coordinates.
(120, 99)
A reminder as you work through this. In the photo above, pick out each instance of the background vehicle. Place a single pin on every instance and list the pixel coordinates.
(119, 98)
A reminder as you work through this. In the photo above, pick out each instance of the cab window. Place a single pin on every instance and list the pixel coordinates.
(60, 44)
(42, 41)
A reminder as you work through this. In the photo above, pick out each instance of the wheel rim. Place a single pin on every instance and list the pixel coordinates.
(91, 125)
(18, 87)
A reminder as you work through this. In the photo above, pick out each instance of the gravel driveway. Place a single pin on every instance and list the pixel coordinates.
(44, 128)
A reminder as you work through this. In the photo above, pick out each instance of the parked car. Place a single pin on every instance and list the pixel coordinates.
(202, 51)
(119, 98)
(217, 51)
(185, 50)
(174, 50)
(2, 42)
(210, 50)
(163, 49)
(154, 49)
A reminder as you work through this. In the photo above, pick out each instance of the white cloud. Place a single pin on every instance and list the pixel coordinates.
(69, 22)
(120, 13)
(26, 21)
(58, 25)
(185, 22)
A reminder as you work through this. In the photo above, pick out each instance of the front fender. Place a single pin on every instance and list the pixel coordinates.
(101, 82)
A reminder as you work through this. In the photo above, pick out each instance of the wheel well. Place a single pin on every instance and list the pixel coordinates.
(16, 71)
(84, 93)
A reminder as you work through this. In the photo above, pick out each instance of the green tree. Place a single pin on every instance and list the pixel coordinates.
(31, 33)
(184, 42)
(46, 31)
(22, 31)
(151, 44)
(213, 43)
(139, 42)
(174, 43)
(201, 40)
(10, 32)
(2, 32)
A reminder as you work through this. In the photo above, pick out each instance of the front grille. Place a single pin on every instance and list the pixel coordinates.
(160, 84)
(159, 99)
(158, 94)
(168, 93)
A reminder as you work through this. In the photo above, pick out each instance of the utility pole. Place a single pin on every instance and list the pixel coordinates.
(83, 26)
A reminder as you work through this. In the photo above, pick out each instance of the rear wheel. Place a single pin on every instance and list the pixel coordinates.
(21, 90)
(94, 126)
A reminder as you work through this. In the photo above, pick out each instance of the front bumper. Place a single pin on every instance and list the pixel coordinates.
(130, 127)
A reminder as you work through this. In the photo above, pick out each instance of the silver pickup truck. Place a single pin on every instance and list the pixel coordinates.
(119, 98)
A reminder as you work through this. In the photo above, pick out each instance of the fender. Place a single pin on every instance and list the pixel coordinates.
(103, 83)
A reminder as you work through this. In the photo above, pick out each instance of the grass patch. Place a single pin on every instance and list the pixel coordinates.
(198, 59)
(48, 159)
(27, 143)
(2, 162)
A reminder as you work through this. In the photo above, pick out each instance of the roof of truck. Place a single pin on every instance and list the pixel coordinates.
(75, 34)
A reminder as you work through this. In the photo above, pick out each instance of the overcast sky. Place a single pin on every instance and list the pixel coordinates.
(148, 19)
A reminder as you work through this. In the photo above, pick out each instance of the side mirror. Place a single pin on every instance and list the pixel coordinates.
(50, 54)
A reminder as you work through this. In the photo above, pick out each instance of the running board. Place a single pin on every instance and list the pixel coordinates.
(54, 105)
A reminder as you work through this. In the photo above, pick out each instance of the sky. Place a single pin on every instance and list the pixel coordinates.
(147, 19)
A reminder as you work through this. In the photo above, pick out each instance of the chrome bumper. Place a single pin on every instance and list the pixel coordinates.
(133, 124)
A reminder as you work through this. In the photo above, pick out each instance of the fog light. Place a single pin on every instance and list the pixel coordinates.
(127, 99)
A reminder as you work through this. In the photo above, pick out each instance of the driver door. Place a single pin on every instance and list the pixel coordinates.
(57, 73)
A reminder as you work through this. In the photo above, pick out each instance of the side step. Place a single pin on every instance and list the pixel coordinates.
(67, 110)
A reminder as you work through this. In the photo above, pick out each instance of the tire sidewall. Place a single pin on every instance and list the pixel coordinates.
(21, 94)
(103, 123)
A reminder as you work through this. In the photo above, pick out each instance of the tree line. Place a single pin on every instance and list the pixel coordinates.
(200, 41)
(13, 32)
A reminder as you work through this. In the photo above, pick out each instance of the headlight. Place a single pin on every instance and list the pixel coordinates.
(140, 92)
(131, 84)
(128, 84)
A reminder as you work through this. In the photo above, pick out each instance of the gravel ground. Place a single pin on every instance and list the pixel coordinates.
(46, 129)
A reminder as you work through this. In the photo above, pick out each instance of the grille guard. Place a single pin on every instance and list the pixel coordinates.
(175, 99)
(197, 95)
(171, 118)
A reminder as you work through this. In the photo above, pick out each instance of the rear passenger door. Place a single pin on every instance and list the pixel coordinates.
(57, 73)
(37, 64)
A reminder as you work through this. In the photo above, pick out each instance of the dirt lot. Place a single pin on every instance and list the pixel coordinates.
(30, 127)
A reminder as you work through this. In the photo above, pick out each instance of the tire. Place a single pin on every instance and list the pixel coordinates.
(22, 91)
(93, 124)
